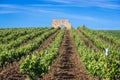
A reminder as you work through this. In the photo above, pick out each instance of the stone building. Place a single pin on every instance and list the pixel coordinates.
(60, 23)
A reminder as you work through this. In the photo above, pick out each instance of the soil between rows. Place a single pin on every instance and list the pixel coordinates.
(68, 65)
(12, 71)
(88, 42)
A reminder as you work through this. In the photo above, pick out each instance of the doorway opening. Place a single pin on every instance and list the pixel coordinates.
(62, 26)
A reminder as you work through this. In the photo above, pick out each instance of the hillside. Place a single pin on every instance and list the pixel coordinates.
(59, 54)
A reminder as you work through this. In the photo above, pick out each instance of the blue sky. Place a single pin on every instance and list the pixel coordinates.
(95, 14)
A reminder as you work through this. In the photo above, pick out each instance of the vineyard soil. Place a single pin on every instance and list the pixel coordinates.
(12, 71)
(87, 41)
(68, 65)
(59, 54)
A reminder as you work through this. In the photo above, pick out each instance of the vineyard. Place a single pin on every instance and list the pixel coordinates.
(59, 54)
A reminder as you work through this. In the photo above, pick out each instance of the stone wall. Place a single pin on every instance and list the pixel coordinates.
(59, 23)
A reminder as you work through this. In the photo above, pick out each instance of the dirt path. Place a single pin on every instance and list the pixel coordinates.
(68, 65)
(12, 72)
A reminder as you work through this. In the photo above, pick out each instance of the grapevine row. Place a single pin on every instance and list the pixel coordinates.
(9, 56)
(39, 63)
(16, 34)
(22, 39)
(113, 59)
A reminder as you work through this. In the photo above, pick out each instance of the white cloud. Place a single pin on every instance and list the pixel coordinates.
(8, 9)
(7, 6)
(7, 12)
(31, 9)
(111, 4)
(37, 9)
(61, 1)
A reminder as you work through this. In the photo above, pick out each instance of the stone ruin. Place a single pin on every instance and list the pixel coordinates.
(60, 23)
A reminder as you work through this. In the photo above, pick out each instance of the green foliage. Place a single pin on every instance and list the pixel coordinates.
(114, 33)
(97, 63)
(7, 56)
(39, 63)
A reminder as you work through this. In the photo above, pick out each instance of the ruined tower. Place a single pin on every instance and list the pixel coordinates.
(59, 23)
